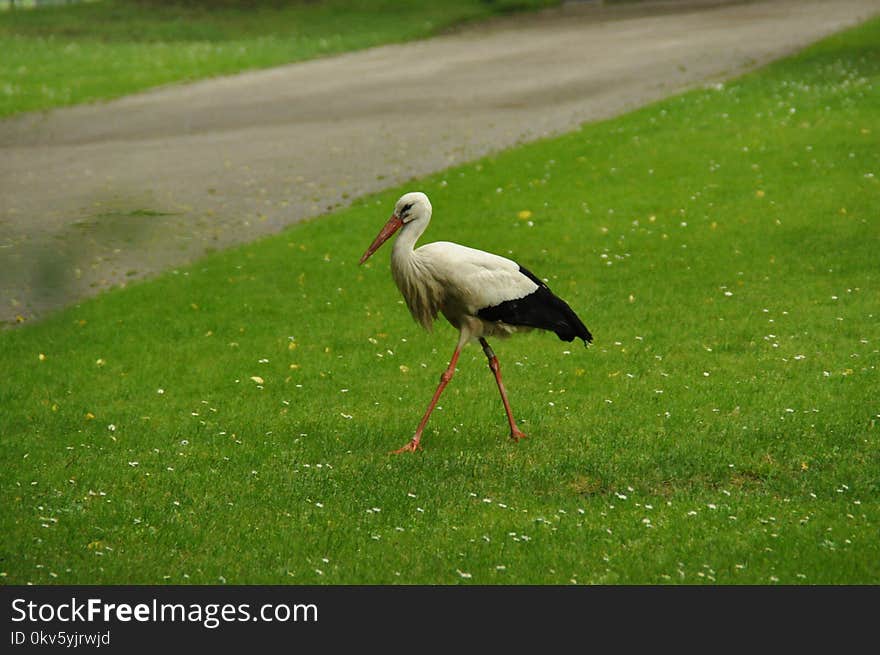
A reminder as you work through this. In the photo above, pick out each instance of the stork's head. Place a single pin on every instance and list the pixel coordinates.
(413, 207)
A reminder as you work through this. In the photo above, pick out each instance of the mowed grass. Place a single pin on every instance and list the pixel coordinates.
(231, 422)
(66, 55)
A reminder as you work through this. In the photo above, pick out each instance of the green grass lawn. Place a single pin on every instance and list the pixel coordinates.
(231, 421)
(80, 53)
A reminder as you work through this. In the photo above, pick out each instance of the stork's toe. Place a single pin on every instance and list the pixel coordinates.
(411, 447)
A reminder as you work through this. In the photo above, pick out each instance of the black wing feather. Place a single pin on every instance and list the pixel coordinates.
(540, 309)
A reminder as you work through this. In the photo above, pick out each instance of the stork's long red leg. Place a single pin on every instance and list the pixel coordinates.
(515, 433)
(413, 445)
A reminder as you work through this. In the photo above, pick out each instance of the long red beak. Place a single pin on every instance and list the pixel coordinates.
(394, 223)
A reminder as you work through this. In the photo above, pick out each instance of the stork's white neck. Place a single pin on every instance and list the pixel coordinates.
(406, 239)
(411, 272)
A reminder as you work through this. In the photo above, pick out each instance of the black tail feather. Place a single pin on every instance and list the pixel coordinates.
(540, 309)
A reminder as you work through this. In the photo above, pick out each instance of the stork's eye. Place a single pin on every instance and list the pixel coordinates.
(406, 208)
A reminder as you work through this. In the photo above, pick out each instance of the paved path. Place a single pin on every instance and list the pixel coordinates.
(102, 194)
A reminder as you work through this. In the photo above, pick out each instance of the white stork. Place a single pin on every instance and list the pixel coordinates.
(479, 293)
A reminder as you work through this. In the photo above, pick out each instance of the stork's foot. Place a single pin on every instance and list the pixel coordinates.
(411, 447)
(516, 434)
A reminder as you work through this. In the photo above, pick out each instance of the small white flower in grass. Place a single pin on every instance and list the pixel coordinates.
(319, 572)
(133, 464)
(111, 427)
(463, 574)
(712, 506)
(160, 391)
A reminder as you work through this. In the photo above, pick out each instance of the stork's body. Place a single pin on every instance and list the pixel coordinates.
(479, 293)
